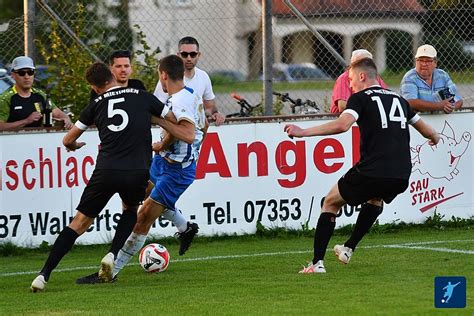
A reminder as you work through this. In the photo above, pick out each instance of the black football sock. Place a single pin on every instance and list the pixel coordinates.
(61, 247)
(127, 221)
(367, 216)
(322, 235)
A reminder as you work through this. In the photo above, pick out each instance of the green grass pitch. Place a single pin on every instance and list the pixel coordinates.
(389, 274)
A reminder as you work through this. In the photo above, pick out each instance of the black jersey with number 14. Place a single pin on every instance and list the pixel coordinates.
(383, 118)
(123, 119)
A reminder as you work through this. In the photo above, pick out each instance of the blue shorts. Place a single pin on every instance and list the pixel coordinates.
(170, 180)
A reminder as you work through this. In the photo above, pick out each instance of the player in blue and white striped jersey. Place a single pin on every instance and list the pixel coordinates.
(173, 170)
(185, 105)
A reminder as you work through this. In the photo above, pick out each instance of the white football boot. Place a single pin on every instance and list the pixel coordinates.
(106, 268)
(38, 284)
(343, 253)
(318, 267)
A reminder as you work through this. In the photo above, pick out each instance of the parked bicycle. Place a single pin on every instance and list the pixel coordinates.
(246, 108)
(298, 106)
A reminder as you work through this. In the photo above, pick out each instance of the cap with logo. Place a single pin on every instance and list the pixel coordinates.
(22, 62)
(426, 51)
(359, 54)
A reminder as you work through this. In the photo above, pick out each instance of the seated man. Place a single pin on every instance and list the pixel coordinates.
(342, 91)
(22, 105)
(428, 88)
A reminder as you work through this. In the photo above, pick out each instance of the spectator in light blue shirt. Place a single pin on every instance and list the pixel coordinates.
(428, 88)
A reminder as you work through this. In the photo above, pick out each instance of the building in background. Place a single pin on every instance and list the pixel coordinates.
(230, 31)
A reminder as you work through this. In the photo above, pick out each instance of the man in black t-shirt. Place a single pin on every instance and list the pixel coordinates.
(22, 105)
(123, 117)
(384, 167)
(120, 62)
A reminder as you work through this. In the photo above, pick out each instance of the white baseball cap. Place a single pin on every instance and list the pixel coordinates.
(426, 51)
(22, 62)
(359, 54)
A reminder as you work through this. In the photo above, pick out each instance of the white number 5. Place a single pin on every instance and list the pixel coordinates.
(396, 107)
(111, 112)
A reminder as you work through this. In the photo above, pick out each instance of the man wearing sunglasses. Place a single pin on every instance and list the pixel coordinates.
(195, 78)
(21, 105)
(120, 64)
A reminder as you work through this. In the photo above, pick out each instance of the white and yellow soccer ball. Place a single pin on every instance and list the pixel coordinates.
(154, 258)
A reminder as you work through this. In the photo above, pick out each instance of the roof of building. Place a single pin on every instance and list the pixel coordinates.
(348, 7)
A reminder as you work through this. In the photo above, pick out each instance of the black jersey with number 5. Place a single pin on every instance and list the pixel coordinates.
(123, 120)
(383, 117)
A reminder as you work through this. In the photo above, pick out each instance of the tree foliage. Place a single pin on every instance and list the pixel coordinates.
(69, 62)
(145, 64)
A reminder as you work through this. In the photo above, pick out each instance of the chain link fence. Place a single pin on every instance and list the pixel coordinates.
(230, 37)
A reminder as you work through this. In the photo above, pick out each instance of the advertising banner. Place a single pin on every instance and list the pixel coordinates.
(246, 173)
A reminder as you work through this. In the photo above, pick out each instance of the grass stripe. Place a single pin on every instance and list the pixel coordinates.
(411, 245)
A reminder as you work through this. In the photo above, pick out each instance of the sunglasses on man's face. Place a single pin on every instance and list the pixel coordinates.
(186, 54)
(22, 73)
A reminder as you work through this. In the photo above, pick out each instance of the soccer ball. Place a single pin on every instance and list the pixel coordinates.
(154, 258)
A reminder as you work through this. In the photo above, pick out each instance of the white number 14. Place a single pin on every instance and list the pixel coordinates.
(396, 107)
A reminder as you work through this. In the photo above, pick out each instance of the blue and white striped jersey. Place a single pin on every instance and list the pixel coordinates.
(186, 105)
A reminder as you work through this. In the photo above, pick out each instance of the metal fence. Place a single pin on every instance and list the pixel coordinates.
(230, 36)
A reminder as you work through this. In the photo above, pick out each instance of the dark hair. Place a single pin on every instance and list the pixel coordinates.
(173, 66)
(123, 53)
(368, 66)
(98, 74)
(188, 40)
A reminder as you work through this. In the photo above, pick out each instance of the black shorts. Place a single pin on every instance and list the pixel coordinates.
(356, 188)
(129, 184)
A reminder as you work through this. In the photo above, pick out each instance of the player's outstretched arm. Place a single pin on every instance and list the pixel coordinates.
(427, 131)
(70, 139)
(340, 125)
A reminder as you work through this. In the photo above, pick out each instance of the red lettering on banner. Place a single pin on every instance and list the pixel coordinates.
(427, 195)
(87, 160)
(11, 164)
(72, 176)
(261, 153)
(45, 170)
(212, 142)
(31, 164)
(42, 163)
(320, 155)
(298, 168)
(355, 144)
(60, 171)
(419, 185)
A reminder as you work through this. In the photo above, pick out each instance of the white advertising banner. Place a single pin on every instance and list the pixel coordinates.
(246, 173)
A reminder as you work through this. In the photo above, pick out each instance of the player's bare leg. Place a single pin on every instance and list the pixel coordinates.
(147, 215)
(186, 229)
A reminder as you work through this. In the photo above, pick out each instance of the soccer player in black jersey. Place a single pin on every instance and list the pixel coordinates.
(385, 164)
(123, 117)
